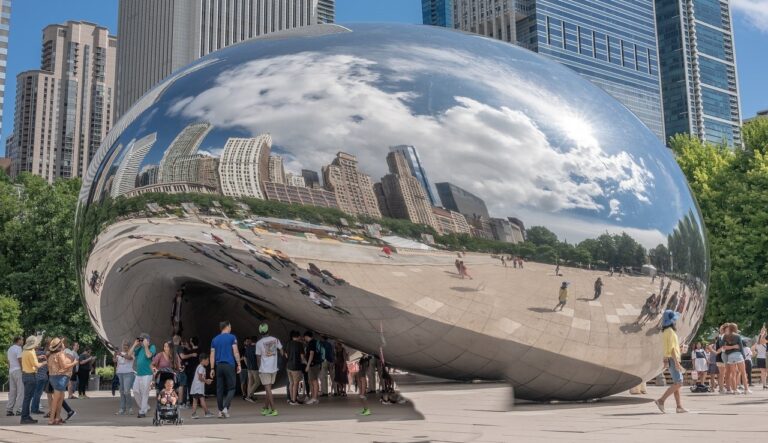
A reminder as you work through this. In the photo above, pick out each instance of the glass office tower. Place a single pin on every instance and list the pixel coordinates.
(698, 70)
(437, 12)
(610, 42)
(5, 29)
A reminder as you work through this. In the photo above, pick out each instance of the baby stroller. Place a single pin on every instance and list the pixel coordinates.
(165, 414)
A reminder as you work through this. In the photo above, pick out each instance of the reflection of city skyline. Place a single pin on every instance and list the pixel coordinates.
(247, 167)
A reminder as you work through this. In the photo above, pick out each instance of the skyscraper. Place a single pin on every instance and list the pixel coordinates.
(437, 12)
(65, 109)
(244, 166)
(612, 43)
(186, 143)
(353, 188)
(126, 177)
(462, 201)
(698, 70)
(417, 170)
(5, 28)
(276, 169)
(159, 37)
(403, 195)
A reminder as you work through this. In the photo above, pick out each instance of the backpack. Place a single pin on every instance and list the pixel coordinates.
(319, 353)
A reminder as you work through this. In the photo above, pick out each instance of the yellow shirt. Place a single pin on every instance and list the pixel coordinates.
(563, 294)
(29, 362)
(671, 344)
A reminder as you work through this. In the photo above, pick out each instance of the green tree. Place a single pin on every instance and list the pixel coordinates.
(731, 187)
(539, 236)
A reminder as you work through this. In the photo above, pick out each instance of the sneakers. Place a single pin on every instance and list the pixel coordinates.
(28, 421)
(681, 410)
(141, 415)
(659, 405)
(221, 414)
(194, 416)
(9, 414)
(272, 413)
(121, 412)
(249, 399)
(70, 414)
(208, 415)
(365, 412)
(748, 391)
(292, 403)
(226, 413)
(264, 411)
(130, 411)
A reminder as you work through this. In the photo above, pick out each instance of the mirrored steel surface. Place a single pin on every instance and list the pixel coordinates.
(278, 156)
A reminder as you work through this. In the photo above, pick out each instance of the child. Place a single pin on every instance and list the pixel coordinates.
(362, 383)
(197, 391)
(168, 396)
(562, 296)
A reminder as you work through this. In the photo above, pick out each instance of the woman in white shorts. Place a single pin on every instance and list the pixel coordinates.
(735, 370)
(759, 348)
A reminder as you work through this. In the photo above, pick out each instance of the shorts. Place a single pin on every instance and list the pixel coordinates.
(713, 369)
(196, 395)
(267, 378)
(295, 377)
(181, 378)
(314, 372)
(720, 364)
(735, 358)
(59, 382)
(761, 363)
(677, 376)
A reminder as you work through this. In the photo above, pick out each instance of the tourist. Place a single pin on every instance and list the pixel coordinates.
(759, 349)
(190, 358)
(42, 379)
(74, 353)
(362, 383)
(252, 368)
(340, 375)
(735, 371)
(165, 364)
(60, 366)
(29, 367)
(672, 360)
(326, 367)
(700, 363)
(84, 368)
(718, 345)
(181, 375)
(15, 385)
(598, 288)
(126, 375)
(295, 361)
(463, 271)
(562, 296)
(748, 361)
(142, 352)
(267, 350)
(712, 369)
(197, 391)
(312, 368)
(225, 358)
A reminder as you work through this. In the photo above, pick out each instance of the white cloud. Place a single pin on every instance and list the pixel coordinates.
(615, 206)
(316, 104)
(754, 11)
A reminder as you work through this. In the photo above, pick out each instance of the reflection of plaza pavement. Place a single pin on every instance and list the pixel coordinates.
(393, 298)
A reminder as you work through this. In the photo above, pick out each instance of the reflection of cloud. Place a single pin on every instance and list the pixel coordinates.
(754, 11)
(211, 152)
(315, 104)
(615, 206)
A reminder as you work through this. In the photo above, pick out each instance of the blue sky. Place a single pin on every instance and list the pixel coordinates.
(29, 17)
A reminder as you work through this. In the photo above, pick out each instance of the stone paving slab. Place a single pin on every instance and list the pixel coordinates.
(437, 412)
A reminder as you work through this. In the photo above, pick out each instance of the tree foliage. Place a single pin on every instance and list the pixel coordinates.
(731, 187)
(36, 260)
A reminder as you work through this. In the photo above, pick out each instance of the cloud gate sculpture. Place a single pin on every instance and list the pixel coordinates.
(415, 192)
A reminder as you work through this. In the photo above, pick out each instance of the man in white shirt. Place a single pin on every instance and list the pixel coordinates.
(266, 352)
(15, 386)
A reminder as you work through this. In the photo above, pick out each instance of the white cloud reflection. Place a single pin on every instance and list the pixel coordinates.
(316, 104)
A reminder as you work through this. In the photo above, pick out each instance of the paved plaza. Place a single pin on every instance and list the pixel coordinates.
(439, 412)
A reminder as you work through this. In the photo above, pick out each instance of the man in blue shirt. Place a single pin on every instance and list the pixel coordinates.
(226, 359)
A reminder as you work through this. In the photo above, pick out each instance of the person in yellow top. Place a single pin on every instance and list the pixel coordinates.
(562, 296)
(29, 366)
(671, 360)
